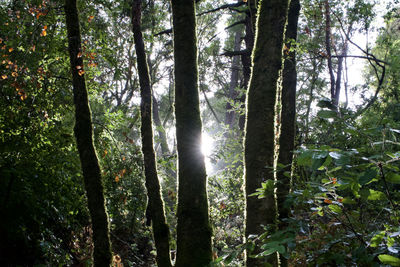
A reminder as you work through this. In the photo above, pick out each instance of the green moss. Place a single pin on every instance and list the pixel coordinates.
(155, 203)
(84, 137)
(260, 117)
(193, 230)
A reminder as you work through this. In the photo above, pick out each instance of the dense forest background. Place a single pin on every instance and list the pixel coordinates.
(300, 115)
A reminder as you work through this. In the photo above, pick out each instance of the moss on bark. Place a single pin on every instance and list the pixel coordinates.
(193, 230)
(259, 131)
(84, 137)
(155, 203)
(288, 110)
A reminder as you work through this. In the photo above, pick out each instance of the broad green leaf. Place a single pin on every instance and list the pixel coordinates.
(375, 195)
(335, 208)
(327, 114)
(393, 178)
(367, 176)
(377, 239)
(388, 259)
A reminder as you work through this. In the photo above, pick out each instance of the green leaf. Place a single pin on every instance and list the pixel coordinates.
(377, 239)
(375, 195)
(393, 178)
(304, 158)
(388, 259)
(367, 176)
(327, 114)
(335, 208)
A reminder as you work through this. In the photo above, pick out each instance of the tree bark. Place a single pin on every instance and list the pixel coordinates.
(193, 229)
(230, 114)
(287, 119)
(155, 203)
(84, 137)
(288, 111)
(250, 22)
(259, 131)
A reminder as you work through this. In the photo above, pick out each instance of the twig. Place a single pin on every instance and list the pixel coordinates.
(230, 6)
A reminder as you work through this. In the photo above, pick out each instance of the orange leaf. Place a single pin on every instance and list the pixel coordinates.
(328, 201)
(4, 76)
(14, 74)
(334, 180)
(45, 27)
(81, 72)
(79, 54)
(43, 33)
(117, 179)
(123, 158)
(10, 49)
(90, 18)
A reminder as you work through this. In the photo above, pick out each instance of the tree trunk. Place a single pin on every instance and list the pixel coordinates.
(288, 110)
(250, 21)
(193, 230)
(230, 114)
(287, 119)
(84, 137)
(259, 131)
(155, 203)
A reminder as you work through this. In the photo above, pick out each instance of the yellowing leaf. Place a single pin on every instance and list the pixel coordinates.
(14, 74)
(79, 55)
(123, 158)
(117, 179)
(90, 18)
(10, 49)
(4, 76)
(328, 201)
(81, 72)
(43, 33)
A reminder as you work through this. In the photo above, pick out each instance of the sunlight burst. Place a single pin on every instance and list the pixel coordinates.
(207, 146)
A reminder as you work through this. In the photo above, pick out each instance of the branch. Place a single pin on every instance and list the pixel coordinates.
(168, 31)
(234, 53)
(209, 105)
(376, 60)
(236, 23)
(222, 7)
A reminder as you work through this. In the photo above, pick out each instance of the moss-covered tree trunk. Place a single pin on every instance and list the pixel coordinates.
(84, 137)
(259, 130)
(155, 202)
(287, 118)
(288, 110)
(249, 22)
(193, 230)
(234, 82)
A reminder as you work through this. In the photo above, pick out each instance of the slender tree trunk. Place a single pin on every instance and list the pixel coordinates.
(84, 137)
(288, 110)
(160, 128)
(230, 114)
(328, 50)
(155, 203)
(193, 230)
(313, 82)
(259, 131)
(249, 36)
(287, 119)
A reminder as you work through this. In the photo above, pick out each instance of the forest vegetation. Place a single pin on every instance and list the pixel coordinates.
(199, 133)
